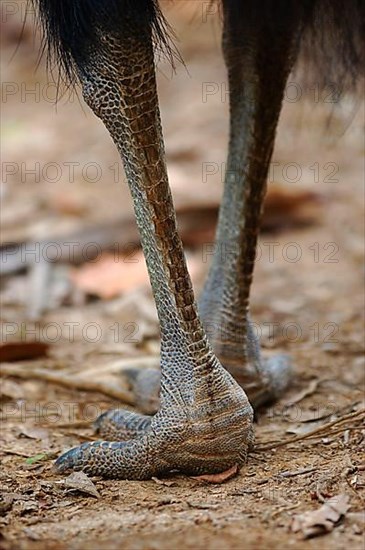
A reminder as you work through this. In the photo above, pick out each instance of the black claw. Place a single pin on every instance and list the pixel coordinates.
(99, 421)
(71, 459)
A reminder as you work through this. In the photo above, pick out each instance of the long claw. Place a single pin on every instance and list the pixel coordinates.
(71, 459)
(121, 425)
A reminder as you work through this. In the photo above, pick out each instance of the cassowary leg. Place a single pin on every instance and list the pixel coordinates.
(260, 46)
(204, 424)
(259, 50)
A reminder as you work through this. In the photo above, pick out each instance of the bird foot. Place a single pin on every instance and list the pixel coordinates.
(210, 439)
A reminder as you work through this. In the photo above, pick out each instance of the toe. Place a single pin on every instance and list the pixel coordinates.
(121, 425)
(280, 370)
(119, 460)
(146, 388)
(71, 459)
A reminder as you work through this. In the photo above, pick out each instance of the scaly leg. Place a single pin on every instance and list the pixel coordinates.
(204, 424)
(259, 49)
(260, 46)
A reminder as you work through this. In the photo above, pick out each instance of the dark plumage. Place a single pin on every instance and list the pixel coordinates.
(331, 39)
(71, 28)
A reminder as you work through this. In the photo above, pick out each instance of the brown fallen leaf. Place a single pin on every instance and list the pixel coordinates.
(286, 208)
(17, 351)
(218, 478)
(33, 433)
(81, 482)
(322, 520)
(111, 275)
(11, 390)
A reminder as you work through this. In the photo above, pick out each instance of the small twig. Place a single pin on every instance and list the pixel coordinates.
(202, 505)
(285, 509)
(297, 473)
(342, 429)
(82, 437)
(319, 496)
(356, 494)
(309, 390)
(76, 424)
(357, 415)
(69, 381)
(17, 453)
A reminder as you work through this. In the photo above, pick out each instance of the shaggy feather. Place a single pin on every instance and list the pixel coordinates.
(331, 37)
(70, 28)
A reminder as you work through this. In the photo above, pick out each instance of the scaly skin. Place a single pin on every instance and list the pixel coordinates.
(258, 65)
(257, 73)
(204, 424)
(262, 384)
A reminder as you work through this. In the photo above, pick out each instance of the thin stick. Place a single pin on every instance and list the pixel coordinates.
(72, 425)
(14, 452)
(69, 381)
(357, 415)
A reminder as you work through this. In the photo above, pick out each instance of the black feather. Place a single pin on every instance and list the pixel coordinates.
(331, 31)
(70, 28)
(333, 43)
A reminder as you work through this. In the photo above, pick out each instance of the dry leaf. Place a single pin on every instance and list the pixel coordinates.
(81, 482)
(111, 275)
(33, 433)
(11, 390)
(218, 478)
(302, 429)
(289, 208)
(323, 520)
(17, 351)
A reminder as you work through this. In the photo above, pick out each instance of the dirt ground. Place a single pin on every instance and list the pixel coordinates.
(307, 300)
